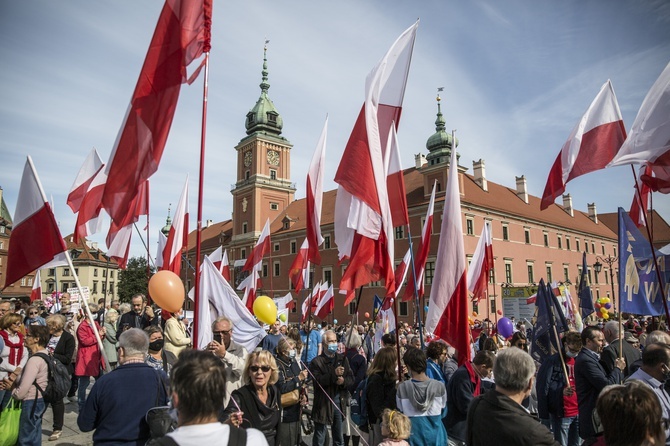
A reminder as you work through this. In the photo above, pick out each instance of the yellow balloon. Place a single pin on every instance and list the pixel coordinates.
(265, 310)
(606, 316)
(474, 313)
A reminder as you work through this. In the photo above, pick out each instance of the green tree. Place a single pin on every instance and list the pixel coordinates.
(133, 279)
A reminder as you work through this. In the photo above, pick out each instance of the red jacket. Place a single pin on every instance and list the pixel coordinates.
(89, 359)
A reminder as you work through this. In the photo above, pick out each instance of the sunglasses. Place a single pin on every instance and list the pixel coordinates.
(256, 368)
(222, 332)
(32, 313)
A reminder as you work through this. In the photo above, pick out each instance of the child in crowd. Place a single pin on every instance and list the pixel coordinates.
(396, 428)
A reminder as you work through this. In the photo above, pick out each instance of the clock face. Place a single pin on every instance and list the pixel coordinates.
(247, 158)
(273, 157)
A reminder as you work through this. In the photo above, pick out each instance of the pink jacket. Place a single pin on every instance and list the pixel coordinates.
(89, 358)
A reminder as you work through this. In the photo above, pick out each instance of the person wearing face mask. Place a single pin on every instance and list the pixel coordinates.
(654, 372)
(497, 417)
(557, 400)
(158, 357)
(290, 379)
(176, 338)
(89, 357)
(332, 373)
(464, 385)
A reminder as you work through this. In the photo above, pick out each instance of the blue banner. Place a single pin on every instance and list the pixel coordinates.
(639, 291)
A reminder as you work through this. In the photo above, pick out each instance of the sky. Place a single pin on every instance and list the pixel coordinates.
(517, 77)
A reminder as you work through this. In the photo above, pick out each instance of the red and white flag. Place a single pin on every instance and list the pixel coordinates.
(311, 300)
(220, 260)
(326, 304)
(447, 316)
(36, 292)
(639, 208)
(162, 241)
(120, 232)
(260, 250)
(178, 236)
(181, 36)
(314, 199)
(35, 239)
(363, 221)
(593, 143)
(89, 220)
(298, 272)
(250, 284)
(649, 139)
(400, 274)
(481, 265)
(424, 249)
(395, 181)
(285, 302)
(92, 165)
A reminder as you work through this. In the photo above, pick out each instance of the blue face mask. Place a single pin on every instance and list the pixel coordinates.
(332, 348)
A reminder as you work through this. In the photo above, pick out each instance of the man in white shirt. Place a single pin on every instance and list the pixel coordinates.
(232, 355)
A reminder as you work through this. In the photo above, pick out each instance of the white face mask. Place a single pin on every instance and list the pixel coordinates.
(570, 354)
(291, 353)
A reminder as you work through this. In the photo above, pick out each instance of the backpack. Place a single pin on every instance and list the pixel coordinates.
(59, 381)
(358, 404)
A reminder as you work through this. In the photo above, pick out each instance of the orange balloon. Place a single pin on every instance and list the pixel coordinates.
(167, 290)
(367, 314)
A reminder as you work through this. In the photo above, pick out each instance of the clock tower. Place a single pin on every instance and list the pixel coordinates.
(263, 188)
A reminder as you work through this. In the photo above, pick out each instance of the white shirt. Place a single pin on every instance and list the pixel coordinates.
(213, 433)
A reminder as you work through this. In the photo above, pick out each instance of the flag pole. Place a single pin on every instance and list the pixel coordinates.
(203, 133)
(74, 274)
(653, 254)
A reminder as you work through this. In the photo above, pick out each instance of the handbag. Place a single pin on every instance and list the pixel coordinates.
(9, 423)
(159, 418)
(290, 398)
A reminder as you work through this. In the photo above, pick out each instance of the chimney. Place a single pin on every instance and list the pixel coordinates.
(209, 223)
(479, 168)
(419, 160)
(567, 204)
(593, 215)
(521, 189)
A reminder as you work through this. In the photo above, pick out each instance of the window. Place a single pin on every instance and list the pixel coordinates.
(399, 232)
(104, 273)
(546, 240)
(66, 272)
(276, 269)
(294, 309)
(326, 242)
(505, 230)
(351, 308)
(95, 287)
(588, 270)
(403, 309)
(50, 287)
(567, 243)
(549, 275)
(23, 281)
(95, 272)
(577, 245)
(429, 273)
(111, 288)
(593, 247)
(245, 227)
(273, 174)
(597, 294)
(294, 247)
(586, 246)
(526, 234)
(274, 206)
(566, 274)
(76, 271)
(596, 276)
(560, 242)
(469, 226)
(492, 275)
(246, 174)
(2, 244)
(531, 276)
(328, 276)
(475, 306)
(30, 281)
(52, 272)
(614, 248)
(508, 272)
(63, 287)
(104, 288)
(493, 305)
(275, 246)
(111, 274)
(3, 229)
(603, 247)
(265, 270)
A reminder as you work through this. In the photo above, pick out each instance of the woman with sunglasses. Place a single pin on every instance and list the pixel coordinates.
(33, 317)
(14, 355)
(519, 340)
(258, 403)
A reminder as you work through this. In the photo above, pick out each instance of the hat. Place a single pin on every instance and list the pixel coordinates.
(630, 337)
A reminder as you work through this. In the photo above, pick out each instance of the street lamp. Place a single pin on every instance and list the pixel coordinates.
(610, 260)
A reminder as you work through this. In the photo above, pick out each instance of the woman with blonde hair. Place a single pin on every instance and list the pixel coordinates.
(258, 403)
(13, 356)
(110, 341)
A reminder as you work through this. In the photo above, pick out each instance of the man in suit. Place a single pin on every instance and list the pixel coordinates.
(591, 378)
(612, 332)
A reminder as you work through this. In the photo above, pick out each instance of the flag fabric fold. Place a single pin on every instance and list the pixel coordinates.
(447, 316)
(549, 318)
(584, 292)
(481, 265)
(35, 239)
(424, 249)
(214, 288)
(182, 34)
(593, 143)
(162, 241)
(639, 207)
(36, 292)
(121, 231)
(177, 238)
(286, 301)
(395, 180)
(92, 165)
(649, 138)
(89, 220)
(298, 272)
(326, 304)
(401, 272)
(363, 221)
(314, 198)
(260, 250)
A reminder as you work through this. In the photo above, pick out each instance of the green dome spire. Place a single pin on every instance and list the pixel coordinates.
(168, 223)
(264, 117)
(440, 143)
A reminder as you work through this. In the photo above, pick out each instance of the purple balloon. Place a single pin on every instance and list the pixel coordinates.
(608, 305)
(505, 327)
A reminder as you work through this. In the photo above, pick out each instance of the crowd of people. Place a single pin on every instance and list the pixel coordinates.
(344, 385)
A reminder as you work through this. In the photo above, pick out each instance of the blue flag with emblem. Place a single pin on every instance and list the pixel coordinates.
(584, 292)
(639, 291)
(549, 318)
